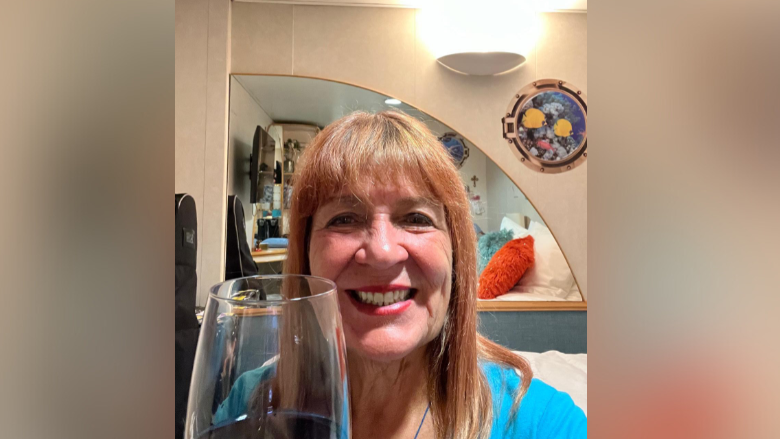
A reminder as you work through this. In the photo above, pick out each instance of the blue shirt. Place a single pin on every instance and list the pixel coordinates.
(544, 412)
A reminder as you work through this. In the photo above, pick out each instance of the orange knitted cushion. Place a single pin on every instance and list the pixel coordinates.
(506, 267)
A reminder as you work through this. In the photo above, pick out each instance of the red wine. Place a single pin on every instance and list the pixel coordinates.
(279, 426)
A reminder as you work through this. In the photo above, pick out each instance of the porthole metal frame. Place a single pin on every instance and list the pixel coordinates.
(511, 121)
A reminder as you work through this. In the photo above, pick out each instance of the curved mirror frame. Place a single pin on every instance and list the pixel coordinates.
(277, 120)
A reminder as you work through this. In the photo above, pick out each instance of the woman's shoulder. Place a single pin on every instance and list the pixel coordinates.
(544, 412)
(505, 381)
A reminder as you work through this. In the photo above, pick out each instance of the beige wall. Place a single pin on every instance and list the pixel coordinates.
(202, 63)
(378, 48)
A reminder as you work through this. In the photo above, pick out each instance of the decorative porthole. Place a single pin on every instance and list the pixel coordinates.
(545, 124)
(456, 146)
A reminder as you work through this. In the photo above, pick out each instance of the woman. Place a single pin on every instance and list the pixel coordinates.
(379, 208)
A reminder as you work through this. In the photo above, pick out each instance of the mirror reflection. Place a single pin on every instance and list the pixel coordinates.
(274, 118)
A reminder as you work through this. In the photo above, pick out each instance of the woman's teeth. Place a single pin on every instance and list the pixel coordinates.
(383, 299)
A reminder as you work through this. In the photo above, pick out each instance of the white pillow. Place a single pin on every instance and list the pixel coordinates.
(550, 274)
(517, 230)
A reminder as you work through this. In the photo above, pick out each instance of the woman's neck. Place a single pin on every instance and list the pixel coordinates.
(388, 399)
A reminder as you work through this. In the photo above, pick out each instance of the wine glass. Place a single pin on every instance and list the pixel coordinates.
(270, 362)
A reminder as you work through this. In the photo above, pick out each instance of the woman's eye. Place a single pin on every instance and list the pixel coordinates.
(342, 220)
(418, 219)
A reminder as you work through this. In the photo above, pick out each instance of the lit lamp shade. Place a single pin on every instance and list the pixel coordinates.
(482, 63)
(479, 38)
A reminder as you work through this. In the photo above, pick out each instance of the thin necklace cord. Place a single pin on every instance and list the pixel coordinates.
(423, 420)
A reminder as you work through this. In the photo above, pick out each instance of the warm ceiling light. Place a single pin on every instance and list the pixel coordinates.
(392, 101)
(488, 38)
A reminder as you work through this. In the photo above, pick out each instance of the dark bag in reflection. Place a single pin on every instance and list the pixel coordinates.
(238, 258)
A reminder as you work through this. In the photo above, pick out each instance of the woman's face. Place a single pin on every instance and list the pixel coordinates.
(392, 262)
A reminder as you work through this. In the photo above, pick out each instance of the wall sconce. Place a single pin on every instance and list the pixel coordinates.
(479, 38)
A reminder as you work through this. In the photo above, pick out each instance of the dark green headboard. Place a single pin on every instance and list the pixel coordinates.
(537, 331)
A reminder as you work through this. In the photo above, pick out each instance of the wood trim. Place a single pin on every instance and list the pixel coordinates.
(270, 255)
(270, 251)
(531, 306)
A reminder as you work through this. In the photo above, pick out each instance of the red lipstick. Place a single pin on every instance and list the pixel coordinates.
(388, 310)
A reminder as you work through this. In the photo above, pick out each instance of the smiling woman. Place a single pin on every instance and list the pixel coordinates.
(379, 209)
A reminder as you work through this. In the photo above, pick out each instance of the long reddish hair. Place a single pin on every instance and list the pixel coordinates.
(392, 147)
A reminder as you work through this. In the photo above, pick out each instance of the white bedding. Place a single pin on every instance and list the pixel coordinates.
(566, 372)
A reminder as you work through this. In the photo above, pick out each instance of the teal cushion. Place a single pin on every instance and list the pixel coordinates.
(488, 245)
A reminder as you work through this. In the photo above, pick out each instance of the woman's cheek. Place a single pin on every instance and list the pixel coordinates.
(434, 257)
(329, 255)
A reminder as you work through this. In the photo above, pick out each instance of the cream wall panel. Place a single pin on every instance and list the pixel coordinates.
(374, 47)
(563, 49)
(190, 123)
(262, 38)
(215, 175)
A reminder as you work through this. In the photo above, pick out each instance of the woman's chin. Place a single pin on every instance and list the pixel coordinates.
(382, 348)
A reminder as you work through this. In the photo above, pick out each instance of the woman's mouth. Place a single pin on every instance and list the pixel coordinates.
(382, 298)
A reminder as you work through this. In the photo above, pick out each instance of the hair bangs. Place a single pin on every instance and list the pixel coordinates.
(373, 151)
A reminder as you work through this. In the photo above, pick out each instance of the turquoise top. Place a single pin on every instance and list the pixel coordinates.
(544, 412)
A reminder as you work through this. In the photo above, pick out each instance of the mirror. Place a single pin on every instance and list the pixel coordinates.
(273, 118)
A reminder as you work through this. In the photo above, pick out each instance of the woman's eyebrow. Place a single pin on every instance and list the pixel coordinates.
(409, 202)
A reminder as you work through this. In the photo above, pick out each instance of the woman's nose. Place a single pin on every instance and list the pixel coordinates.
(382, 246)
